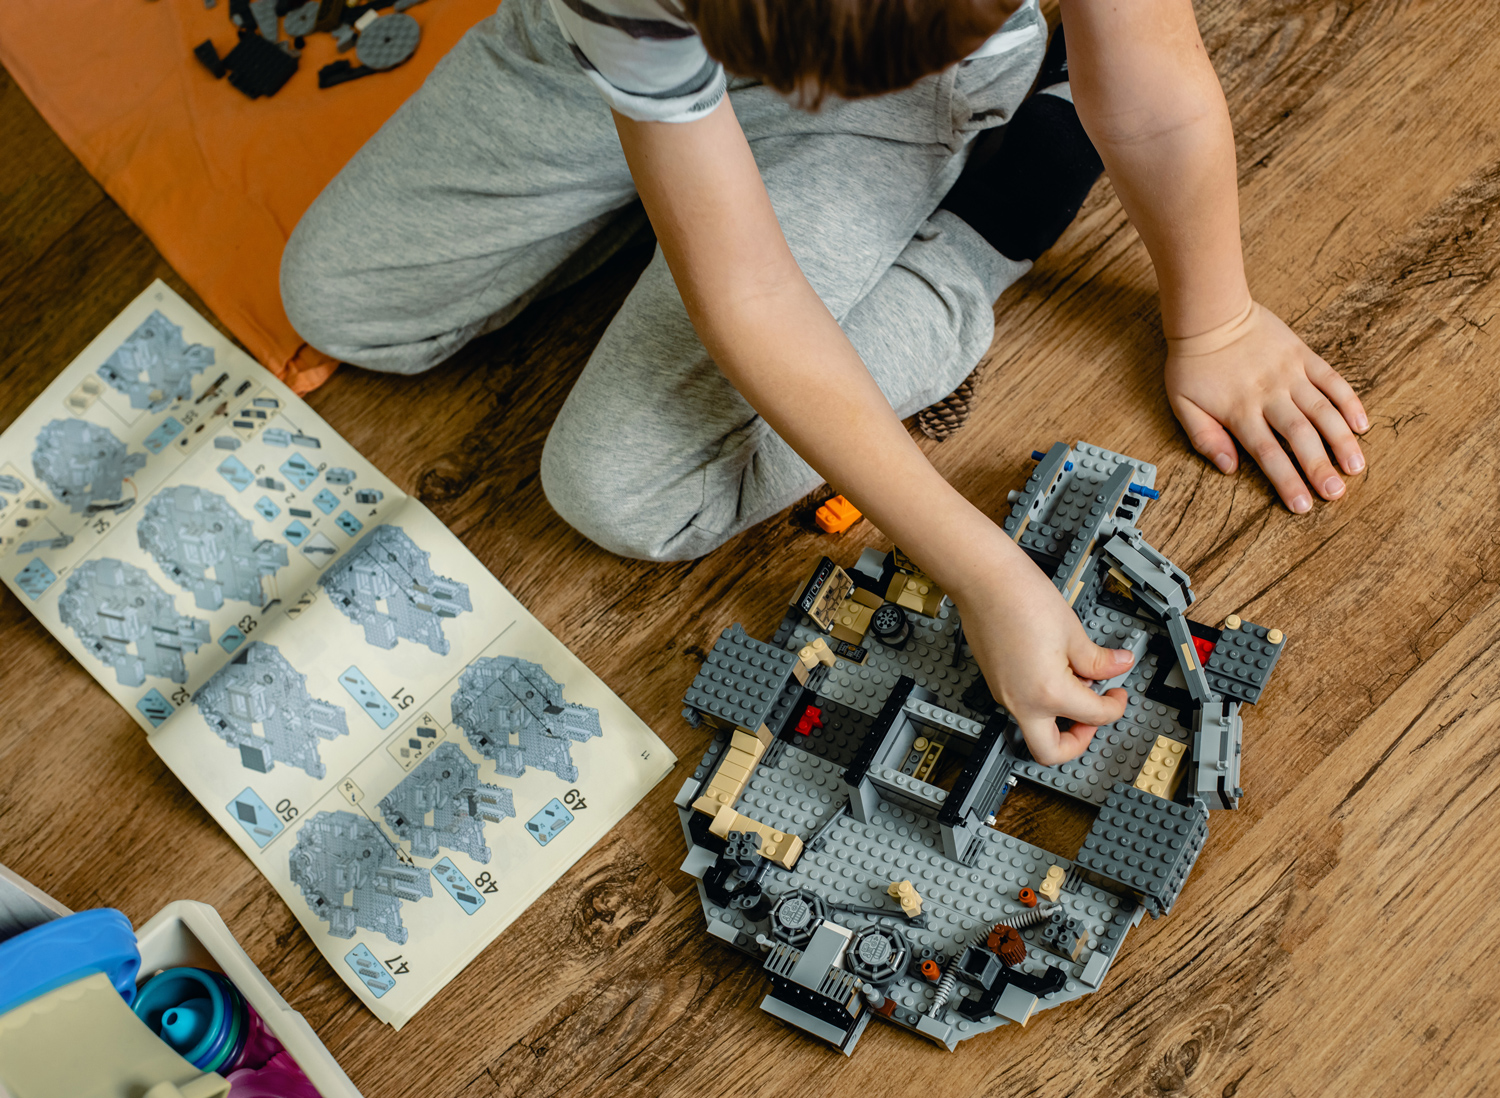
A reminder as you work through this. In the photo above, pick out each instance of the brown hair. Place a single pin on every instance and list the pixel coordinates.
(812, 49)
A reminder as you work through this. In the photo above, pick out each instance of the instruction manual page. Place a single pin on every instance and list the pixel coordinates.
(405, 752)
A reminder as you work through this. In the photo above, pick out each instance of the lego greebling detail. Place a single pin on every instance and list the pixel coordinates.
(190, 531)
(260, 687)
(155, 366)
(905, 902)
(386, 585)
(514, 714)
(81, 462)
(123, 618)
(352, 876)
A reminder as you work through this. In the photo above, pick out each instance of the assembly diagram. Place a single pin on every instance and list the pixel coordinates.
(843, 822)
(128, 622)
(192, 532)
(155, 366)
(514, 714)
(351, 875)
(84, 465)
(260, 687)
(442, 803)
(386, 585)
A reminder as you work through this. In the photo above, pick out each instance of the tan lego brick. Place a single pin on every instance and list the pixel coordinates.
(1162, 771)
(775, 846)
(1051, 886)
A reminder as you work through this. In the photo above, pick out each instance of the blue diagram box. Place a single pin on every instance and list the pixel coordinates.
(233, 470)
(154, 707)
(379, 710)
(251, 813)
(545, 825)
(35, 578)
(458, 886)
(231, 639)
(299, 471)
(326, 501)
(296, 532)
(348, 523)
(370, 971)
(266, 509)
(165, 432)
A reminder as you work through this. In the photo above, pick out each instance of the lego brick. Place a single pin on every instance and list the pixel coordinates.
(1015, 1004)
(740, 681)
(1243, 659)
(775, 846)
(1162, 771)
(1144, 843)
(1051, 886)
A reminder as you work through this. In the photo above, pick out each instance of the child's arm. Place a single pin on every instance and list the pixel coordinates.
(776, 342)
(1150, 101)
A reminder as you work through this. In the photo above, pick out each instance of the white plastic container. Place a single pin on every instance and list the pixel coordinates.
(189, 933)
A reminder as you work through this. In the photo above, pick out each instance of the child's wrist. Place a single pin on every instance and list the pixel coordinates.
(1229, 331)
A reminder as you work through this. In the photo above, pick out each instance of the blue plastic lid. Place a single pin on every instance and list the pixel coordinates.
(196, 1011)
(49, 956)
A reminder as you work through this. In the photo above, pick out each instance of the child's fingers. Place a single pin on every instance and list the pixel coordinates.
(1289, 422)
(1333, 385)
(1255, 435)
(1094, 662)
(1049, 746)
(1206, 433)
(1332, 424)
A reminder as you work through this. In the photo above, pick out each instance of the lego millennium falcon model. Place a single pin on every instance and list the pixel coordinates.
(842, 822)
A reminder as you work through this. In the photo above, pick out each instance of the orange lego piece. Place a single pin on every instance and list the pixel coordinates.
(836, 516)
(1027, 896)
(931, 971)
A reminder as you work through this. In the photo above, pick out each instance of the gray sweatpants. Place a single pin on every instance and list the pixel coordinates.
(502, 180)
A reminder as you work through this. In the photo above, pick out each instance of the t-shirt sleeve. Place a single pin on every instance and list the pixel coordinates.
(648, 62)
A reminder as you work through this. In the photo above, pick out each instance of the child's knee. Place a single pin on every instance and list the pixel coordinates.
(619, 506)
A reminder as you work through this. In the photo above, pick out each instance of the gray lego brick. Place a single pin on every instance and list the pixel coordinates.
(1242, 662)
(927, 658)
(741, 679)
(1144, 843)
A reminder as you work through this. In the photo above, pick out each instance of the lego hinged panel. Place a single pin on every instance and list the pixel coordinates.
(842, 822)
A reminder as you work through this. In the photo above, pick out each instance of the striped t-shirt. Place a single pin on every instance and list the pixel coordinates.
(649, 63)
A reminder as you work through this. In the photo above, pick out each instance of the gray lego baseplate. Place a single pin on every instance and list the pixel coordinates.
(386, 585)
(514, 713)
(190, 531)
(155, 366)
(352, 876)
(259, 686)
(126, 620)
(81, 463)
(442, 803)
(903, 759)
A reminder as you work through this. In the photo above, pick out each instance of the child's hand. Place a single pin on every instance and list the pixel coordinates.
(1038, 662)
(1258, 380)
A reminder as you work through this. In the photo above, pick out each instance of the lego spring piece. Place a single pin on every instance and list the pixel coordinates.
(342, 685)
(902, 900)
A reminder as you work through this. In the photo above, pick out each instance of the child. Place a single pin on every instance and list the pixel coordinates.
(821, 273)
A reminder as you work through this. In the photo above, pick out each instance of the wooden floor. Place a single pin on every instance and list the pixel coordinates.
(1338, 935)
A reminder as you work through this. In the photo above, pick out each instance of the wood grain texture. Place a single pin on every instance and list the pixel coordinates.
(1336, 936)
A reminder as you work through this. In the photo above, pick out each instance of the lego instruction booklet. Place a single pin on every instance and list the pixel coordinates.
(405, 752)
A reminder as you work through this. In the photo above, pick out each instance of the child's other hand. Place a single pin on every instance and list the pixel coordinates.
(1257, 380)
(1038, 662)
